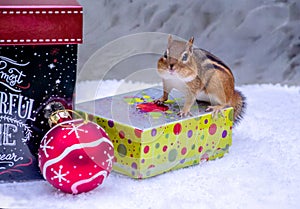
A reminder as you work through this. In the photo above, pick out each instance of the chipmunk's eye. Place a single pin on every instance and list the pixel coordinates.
(185, 57)
(166, 54)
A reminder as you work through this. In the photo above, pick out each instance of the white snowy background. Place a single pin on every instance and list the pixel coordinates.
(259, 40)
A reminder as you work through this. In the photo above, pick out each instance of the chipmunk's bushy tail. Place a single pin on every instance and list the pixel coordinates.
(239, 106)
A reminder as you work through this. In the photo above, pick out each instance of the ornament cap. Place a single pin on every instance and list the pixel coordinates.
(58, 117)
(56, 113)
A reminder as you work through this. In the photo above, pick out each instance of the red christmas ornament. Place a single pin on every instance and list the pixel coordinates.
(75, 156)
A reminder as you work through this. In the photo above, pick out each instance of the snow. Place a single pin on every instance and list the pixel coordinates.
(261, 170)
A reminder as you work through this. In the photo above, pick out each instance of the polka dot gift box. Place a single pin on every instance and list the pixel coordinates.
(38, 59)
(151, 140)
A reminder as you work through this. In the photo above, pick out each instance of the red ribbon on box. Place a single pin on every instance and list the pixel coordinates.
(36, 22)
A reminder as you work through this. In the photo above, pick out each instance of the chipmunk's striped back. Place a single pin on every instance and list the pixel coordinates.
(210, 61)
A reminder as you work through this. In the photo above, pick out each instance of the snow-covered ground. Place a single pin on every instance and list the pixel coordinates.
(261, 170)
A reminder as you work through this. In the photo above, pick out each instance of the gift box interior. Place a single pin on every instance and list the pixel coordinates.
(38, 60)
(150, 139)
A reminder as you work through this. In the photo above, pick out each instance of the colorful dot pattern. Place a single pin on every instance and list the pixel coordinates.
(149, 152)
(150, 143)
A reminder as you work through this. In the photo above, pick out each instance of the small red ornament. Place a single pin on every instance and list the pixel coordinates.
(76, 156)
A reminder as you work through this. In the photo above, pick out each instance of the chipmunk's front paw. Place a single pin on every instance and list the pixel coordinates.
(215, 111)
(184, 114)
(159, 101)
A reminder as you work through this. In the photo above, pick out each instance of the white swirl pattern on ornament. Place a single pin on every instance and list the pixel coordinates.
(84, 181)
(70, 149)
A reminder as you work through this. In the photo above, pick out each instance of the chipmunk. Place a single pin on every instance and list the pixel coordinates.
(200, 76)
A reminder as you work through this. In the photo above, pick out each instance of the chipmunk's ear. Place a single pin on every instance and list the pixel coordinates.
(170, 39)
(189, 45)
(191, 41)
